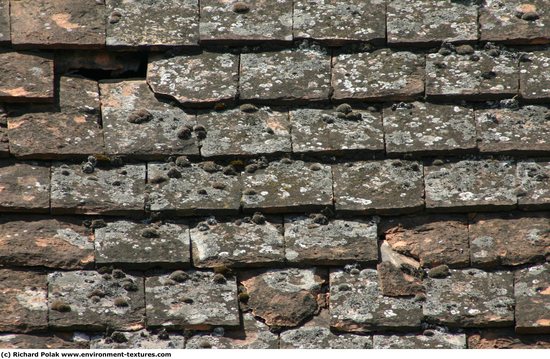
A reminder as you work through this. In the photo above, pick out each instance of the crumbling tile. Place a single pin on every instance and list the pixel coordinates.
(383, 187)
(288, 186)
(331, 131)
(137, 124)
(87, 300)
(335, 23)
(532, 292)
(152, 24)
(25, 187)
(58, 24)
(533, 184)
(509, 239)
(504, 21)
(319, 241)
(507, 339)
(5, 21)
(141, 339)
(471, 185)
(357, 305)
(37, 241)
(192, 190)
(476, 77)
(397, 281)
(241, 133)
(142, 246)
(239, 243)
(470, 298)
(427, 129)
(195, 80)
(26, 77)
(434, 340)
(534, 76)
(430, 22)
(23, 302)
(382, 75)
(42, 341)
(236, 22)
(192, 300)
(298, 75)
(107, 190)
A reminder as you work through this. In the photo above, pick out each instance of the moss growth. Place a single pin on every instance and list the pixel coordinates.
(60, 306)
(121, 302)
(179, 276)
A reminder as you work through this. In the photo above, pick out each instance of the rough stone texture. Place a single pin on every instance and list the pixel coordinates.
(195, 79)
(196, 302)
(185, 196)
(534, 184)
(532, 292)
(45, 242)
(141, 246)
(395, 282)
(382, 75)
(288, 187)
(141, 339)
(471, 185)
(58, 24)
(43, 341)
(108, 190)
(71, 130)
(470, 298)
(237, 133)
(525, 130)
(23, 301)
(534, 76)
(24, 187)
(431, 22)
(439, 340)
(429, 129)
(26, 77)
(335, 23)
(4, 142)
(299, 75)
(5, 21)
(461, 77)
(152, 23)
(263, 21)
(155, 137)
(336, 243)
(498, 22)
(507, 339)
(93, 300)
(432, 240)
(384, 187)
(237, 244)
(328, 131)
(357, 305)
(284, 297)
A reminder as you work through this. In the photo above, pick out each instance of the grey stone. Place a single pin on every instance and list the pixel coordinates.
(534, 76)
(533, 178)
(5, 21)
(141, 339)
(439, 340)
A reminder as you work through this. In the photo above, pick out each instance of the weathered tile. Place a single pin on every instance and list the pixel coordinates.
(357, 305)
(291, 75)
(396, 280)
(504, 21)
(137, 124)
(59, 24)
(61, 243)
(335, 23)
(91, 301)
(242, 133)
(193, 299)
(470, 185)
(235, 22)
(4, 142)
(194, 189)
(534, 77)
(26, 77)
(382, 75)
(474, 77)
(288, 186)
(107, 190)
(509, 239)
(238, 243)
(384, 187)
(435, 340)
(152, 24)
(25, 187)
(425, 129)
(431, 22)
(470, 298)
(524, 130)
(5, 21)
(533, 184)
(142, 246)
(532, 292)
(330, 131)
(141, 339)
(23, 302)
(42, 341)
(507, 339)
(195, 79)
(333, 242)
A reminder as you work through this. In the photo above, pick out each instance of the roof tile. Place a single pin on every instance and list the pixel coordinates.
(534, 184)
(24, 186)
(532, 292)
(506, 339)
(534, 76)
(141, 339)
(314, 336)
(5, 21)
(26, 77)
(41, 341)
(434, 340)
